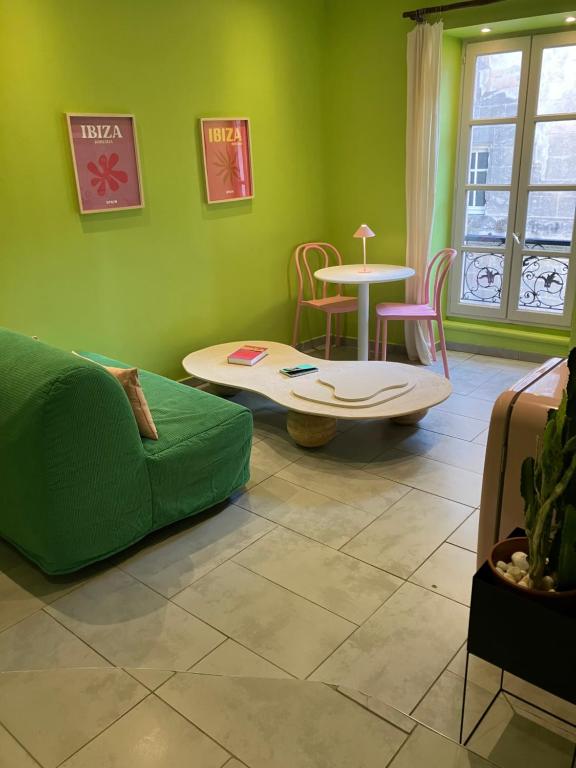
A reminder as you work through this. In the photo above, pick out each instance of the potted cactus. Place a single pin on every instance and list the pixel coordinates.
(545, 561)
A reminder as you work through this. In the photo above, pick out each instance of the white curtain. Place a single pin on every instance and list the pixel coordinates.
(424, 62)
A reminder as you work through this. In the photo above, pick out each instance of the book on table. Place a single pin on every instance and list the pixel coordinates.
(249, 354)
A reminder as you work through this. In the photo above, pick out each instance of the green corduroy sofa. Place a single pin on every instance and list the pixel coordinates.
(77, 482)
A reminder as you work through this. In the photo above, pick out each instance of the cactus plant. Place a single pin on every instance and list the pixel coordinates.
(549, 490)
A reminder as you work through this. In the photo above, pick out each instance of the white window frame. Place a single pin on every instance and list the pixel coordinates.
(525, 122)
(524, 316)
(471, 52)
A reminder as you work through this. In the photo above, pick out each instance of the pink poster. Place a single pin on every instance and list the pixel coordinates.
(227, 159)
(105, 155)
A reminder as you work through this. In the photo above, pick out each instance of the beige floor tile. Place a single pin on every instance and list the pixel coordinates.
(399, 652)
(448, 571)
(538, 697)
(429, 475)
(54, 713)
(441, 708)
(24, 589)
(467, 535)
(450, 450)
(402, 538)
(381, 709)
(286, 629)
(480, 672)
(283, 723)
(233, 763)
(482, 438)
(132, 626)
(425, 749)
(233, 659)
(152, 735)
(469, 406)
(337, 582)
(468, 382)
(312, 514)
(270, 455)
(453, 425)
(151, 678)
(40, 642)
(11, 753)
(346, 484)
(177, 560)
(511, 741)
(358, 445)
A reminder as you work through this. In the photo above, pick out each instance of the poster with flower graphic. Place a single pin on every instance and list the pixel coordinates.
(227, 159)
(106, 166)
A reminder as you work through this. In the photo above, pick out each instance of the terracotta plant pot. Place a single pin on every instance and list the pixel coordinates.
(504, 550)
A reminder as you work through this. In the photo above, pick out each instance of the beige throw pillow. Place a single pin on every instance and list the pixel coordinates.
(128, 377)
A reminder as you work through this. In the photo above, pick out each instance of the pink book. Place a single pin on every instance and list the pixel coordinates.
(248, 355)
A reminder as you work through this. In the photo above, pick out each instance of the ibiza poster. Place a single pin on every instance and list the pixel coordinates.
(106, 164)
(227, 159)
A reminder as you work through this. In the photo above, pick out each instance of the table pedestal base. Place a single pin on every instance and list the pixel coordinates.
(310, 431)
(410, 418)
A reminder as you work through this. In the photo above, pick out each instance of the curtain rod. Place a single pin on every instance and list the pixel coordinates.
(419, 13)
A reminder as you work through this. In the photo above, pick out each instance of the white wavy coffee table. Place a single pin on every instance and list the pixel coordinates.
(312, 423)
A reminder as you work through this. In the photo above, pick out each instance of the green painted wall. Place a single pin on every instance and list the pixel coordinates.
(151, 285)
(324, 83)
(365, 110)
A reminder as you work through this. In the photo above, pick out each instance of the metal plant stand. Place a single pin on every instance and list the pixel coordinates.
(550, 625)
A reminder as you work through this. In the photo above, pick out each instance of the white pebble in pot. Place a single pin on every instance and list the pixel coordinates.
(515, 572)
(520, 560)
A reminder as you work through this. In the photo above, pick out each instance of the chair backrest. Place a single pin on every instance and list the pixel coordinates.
(439, 266)
(329, 256)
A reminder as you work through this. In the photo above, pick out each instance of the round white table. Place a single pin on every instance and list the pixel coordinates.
(362, 276)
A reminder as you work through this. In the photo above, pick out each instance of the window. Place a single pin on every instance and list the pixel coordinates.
(516, 186)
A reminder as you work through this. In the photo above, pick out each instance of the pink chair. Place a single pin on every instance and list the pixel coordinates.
(428, 311)
(307, 284)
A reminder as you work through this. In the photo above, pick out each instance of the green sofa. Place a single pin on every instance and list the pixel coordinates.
(77, 482)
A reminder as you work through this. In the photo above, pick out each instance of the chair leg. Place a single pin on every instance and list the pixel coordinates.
(443, 346)
(338, 329)
(432, 340)
(384, 338)
(296, 325)
(377, 341)
(328, 332)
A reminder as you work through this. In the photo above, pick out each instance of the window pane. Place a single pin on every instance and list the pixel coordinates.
(492, 150)
(558, 81)
(482, 278)
(554, 158)
(550, 221)
(486, 217)
(497, 84)
(543, 284)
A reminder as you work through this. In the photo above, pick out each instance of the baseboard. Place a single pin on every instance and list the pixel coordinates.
(508, 354)
(316, 344)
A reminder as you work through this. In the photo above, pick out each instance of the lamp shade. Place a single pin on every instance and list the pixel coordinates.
(364, 231)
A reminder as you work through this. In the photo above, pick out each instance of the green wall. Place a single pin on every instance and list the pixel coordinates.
(323, 82)
(149, 286)
(366, 119)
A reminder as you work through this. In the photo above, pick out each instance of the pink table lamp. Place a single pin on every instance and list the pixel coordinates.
(364, 231)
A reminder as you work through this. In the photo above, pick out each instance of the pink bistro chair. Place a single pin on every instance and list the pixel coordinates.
(307, 286)
(428, 311)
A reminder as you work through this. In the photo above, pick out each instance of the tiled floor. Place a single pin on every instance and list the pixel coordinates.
(348, 565)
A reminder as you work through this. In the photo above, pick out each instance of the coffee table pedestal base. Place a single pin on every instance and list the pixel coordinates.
(411, 418)
(310, 431)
